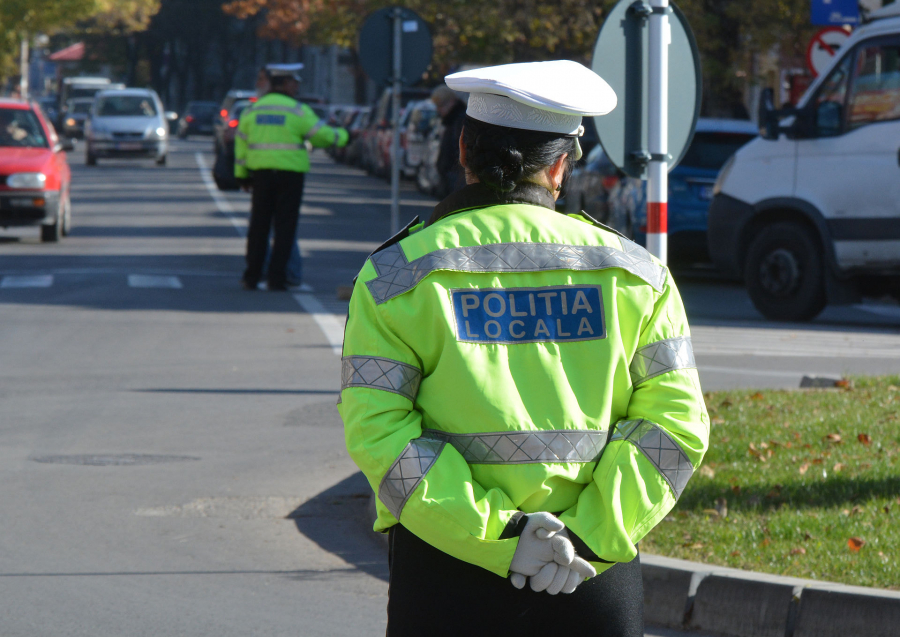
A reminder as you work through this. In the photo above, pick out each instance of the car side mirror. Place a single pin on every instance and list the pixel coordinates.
(767, 116)
(829, 116)
(171, 116)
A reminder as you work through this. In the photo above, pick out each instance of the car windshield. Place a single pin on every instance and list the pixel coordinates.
(239, 108)
(126, 106)
(81, 107)
(21, 129)
(712, 150)
(195, 108)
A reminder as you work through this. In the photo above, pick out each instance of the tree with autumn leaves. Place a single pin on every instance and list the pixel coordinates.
(731, 34)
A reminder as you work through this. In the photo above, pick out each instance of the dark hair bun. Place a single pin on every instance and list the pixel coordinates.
(502, 157)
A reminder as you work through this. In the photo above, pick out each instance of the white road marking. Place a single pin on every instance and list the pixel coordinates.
(154, 281)
(743, 371)
(330, 324)
(222, 202)
(27, 281)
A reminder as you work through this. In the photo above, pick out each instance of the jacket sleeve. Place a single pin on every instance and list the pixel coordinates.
(318, 133)
(240, 146)
(420, 481)
(654, 450)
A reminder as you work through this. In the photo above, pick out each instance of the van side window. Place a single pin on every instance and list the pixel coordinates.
(831, 98)
(875, 96)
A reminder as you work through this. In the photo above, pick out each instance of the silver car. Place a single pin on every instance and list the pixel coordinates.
(127, 123)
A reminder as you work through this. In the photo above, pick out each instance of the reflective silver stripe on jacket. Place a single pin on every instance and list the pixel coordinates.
(659, 448)
(315, 129)
(240, 162)
(275, 146)
(240, 135)
(390, 259)
(407, 472)
(526, 447)
(662, 357)
(259, 108)
(380, 373)
(518, 257)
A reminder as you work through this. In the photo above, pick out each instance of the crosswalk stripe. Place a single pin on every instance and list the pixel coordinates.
(27, 281)
(154, 281)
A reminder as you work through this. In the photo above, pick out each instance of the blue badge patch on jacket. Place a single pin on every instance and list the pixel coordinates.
(263, 119)
(529, 315)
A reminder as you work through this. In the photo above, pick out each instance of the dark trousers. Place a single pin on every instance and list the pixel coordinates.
(277, 195)
(433, 594)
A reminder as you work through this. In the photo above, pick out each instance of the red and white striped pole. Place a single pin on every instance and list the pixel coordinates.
(658, 131)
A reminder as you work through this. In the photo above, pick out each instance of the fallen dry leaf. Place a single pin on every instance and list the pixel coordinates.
(711, 512)
(866, 439)
(818, 461)
(807, 536)
(840, 466)
(707, 472)
(842, 383)
(798, 551)
(736, 489)
(855, 543)
(856, 509)
(834, 438)
(725, 403)
(735, 554)
(763, 445)
(717, 421)
(804, 468)
(765, 542)
(757, 396)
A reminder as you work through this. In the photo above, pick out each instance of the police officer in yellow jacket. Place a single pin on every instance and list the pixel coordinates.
(271, 157)
(518, 385)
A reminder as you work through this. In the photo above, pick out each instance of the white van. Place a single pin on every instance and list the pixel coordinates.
(809, 213)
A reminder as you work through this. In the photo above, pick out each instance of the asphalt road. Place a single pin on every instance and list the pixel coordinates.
(171, 458)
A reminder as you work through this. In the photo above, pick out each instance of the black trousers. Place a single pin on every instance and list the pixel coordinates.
(433, 594)
(277, 195)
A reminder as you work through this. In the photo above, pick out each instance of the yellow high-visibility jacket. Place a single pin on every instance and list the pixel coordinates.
(508, 358)
(272, 132)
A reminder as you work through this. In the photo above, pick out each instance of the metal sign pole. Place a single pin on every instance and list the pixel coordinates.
(395, 122)
(23, 68)
(658, 130)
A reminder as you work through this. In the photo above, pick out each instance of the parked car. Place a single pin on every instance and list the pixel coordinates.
(77, 111)
(809, 213)
(589, 186)
(197, 119)
(376, 153)
(34, 171)
(345, 120)
(223, 116)
(690, 190)
(223, 170)
(428, 177)
(359, 123)
(50, 105)
(127, 123)
(422, 118)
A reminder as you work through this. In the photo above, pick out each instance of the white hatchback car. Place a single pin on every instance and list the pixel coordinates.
(127, 122)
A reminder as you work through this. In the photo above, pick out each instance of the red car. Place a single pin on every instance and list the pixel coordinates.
(34, 171)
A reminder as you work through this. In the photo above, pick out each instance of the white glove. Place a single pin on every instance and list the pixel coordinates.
(543, 541)
(555, 578)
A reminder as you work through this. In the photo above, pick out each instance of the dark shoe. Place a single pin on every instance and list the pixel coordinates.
(248, 285)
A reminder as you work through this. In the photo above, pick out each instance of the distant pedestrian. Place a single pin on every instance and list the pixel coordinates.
(453, 115)
(271, 160)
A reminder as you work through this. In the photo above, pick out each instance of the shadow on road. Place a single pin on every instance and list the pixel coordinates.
(337, 520)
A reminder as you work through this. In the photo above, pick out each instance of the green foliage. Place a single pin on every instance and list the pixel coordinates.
(802, 477)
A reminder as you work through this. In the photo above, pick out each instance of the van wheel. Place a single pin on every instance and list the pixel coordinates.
(50, 233)
(66, 221)
(785, 274)
(90, 159)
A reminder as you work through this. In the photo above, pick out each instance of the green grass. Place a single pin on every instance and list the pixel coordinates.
(801, 473)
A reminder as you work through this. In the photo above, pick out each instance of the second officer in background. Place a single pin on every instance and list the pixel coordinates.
(272, 159)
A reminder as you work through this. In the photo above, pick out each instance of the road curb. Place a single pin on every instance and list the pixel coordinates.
(733, 603)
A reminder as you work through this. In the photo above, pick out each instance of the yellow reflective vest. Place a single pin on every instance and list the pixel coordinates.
(272, 132)
(509, 358)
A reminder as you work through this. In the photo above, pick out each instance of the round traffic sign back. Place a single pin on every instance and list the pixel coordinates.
(621, 58)
(824, 47)
(376, 45)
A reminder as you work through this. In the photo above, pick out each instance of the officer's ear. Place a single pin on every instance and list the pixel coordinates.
(462, 148)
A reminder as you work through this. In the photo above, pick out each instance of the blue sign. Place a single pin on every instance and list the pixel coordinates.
(529, 315)
(262, 119)
(835, 12)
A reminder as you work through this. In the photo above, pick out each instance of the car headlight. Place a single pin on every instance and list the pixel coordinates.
(156, 133)
(31, 181)
(723, 174)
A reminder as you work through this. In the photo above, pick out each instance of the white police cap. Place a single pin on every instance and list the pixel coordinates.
(284, 70)
(539, 96)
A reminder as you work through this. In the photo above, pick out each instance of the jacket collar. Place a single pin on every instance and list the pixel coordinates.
(480, 196)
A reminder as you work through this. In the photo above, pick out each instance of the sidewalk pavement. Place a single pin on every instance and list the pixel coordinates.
(729, 602)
